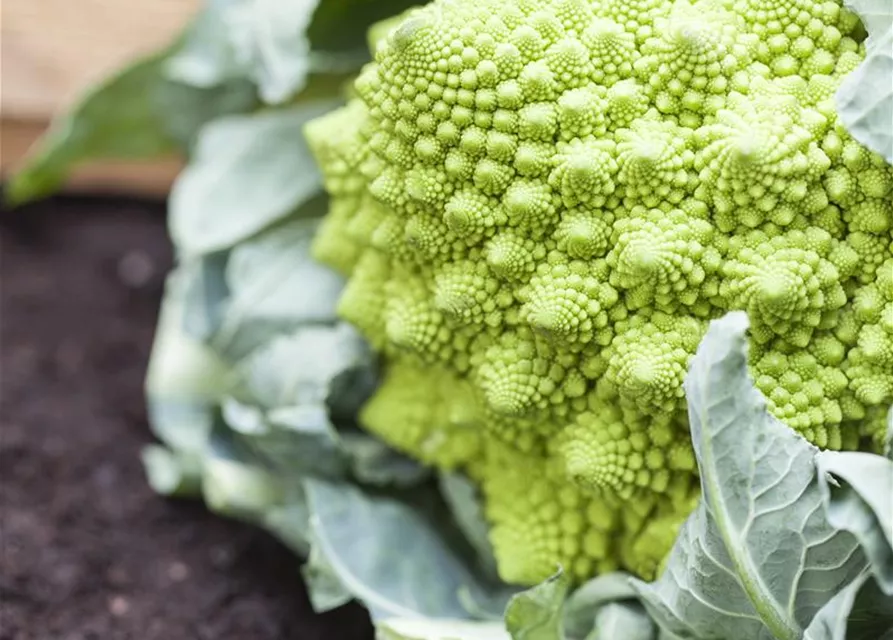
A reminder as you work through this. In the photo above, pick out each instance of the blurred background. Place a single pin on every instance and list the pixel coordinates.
(52, 50)
(87, 551)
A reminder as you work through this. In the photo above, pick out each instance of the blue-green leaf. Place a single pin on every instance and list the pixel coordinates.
(830, 623)
(858, 497)
(290, 521)
(462, 497)
(859, 611)
(236, 486)
(275, 287)
(374, 463)
(184, 109)
(758, 558)
(248, 172)
(402, 565)
(627, 620)
(412, 629)
(205, 294)
(298, 369)
(340, 26)
(264, 40)
(872, 615)
(306, 443)
(586, 600)
(185, 378)
(324, 587)
(865, 97)
(172, 473)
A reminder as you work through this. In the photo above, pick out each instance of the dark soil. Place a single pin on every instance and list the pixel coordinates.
(87, 550)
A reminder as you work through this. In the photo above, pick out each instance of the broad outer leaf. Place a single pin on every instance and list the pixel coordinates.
(585, 601)
(248, 171)
(171, 473)
(185, 109)
(626, 620)
(536, 614)
(298, 368)
(269, 40)
(372, 462)
(387, 553)
(830, 623)
(403, 629)
(757, 559)
(139, 113)
(304, 444)
(462, 497)
(237, 489)
(324, 587)
(275, 286)
(288, 386)
(858, 495)
(206, 58)
(291, 522)
(872, 615)
(858, 612)
(490, 604)
(185, 378)
(264, 40)
(112, 120)
(865, 97)
(205, 294)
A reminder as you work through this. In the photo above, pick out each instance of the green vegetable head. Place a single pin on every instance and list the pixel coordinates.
(540, 204)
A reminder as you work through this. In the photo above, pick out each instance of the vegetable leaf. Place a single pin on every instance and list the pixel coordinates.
(461, 495)
(263, 40)
(536, 614)
(184, 109)
(306, 444)
(257, 163)
(112, 120)
(290, 522)
(232, 485)
(184, 380)
(626, 620)
(205, 294)
(865, 97)
(585, 601)
(275, 287)
(298, 369)
(401, 566)
(872, 615)
(858, 612)
(830, 623)
(857, 489)
(373, 462)
(324, 587)
(409, 629)
(757, 559)
(170, 473)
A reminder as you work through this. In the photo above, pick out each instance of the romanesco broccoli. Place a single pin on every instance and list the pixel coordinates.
(540, 204)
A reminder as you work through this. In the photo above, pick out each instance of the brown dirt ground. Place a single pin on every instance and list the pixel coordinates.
(87, 551)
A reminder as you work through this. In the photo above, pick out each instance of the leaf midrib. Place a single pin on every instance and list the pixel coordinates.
(748, 576)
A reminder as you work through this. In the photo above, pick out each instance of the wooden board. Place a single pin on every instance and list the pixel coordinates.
(151, 178)
(50, 50)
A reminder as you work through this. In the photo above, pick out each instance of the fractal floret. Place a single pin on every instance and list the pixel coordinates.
(541, 204)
